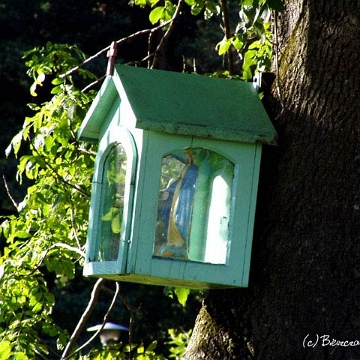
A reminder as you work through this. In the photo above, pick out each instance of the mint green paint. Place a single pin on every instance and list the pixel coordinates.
(201, 204)
(152, 113)
(183, 104)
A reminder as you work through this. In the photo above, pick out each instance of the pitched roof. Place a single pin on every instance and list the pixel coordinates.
(183, 104)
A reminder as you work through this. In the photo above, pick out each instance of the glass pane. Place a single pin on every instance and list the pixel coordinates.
(113, 187)
(194, 206)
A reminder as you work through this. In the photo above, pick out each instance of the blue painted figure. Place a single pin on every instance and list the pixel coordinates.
(195, 208)
(176, 211)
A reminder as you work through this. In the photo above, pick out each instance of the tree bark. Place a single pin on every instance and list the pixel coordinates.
(304, 286)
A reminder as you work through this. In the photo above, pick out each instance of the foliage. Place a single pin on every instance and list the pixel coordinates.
(180, 293)
(54, 59)
(251, 39)
(133, 352)
(178, 343)
(49, 231)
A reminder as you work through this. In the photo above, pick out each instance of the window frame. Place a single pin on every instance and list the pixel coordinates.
(114, 136)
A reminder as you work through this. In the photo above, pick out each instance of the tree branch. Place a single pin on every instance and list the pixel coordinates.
(84, 318)
(57, 176)
(141, 32)
(132, 311)
(167, 34)
(62, 245)
(149, 54)
(278, 84)
(68, 247)
(9, 194)
(87, 87)
(228, 34)
(105, 319)
(73, 223)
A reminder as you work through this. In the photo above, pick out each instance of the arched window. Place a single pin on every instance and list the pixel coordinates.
(112, 199)
(112, 203)
(194, 206)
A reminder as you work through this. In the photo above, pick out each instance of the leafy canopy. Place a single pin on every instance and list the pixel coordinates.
(251, 39)
(50, 229)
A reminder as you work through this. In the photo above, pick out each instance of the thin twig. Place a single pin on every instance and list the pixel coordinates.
(68, 247)
(73, 223)
(61, 245)
(131, 326)
(133, 310)
(105, 319)
(57, 176)
(123, 300)
(146, 58)
(167, 33)
(227, 31)
(278, 84)
(140, 32)
(84, 318)
(87, 87)
(149, 54)
(9, 194)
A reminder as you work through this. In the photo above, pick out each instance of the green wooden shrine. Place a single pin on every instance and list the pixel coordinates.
(175, 179)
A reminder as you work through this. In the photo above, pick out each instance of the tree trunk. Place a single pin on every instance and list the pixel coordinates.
(304, 286)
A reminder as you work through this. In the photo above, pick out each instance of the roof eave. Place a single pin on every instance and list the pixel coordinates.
(90, 127)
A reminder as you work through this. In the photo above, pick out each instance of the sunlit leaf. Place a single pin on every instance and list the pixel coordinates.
(20, 356)
(32, 89)
(56, 90)
(57, 81)
(238, 43)
(40, 78)
(5, 350)
(182, 295)
(156, 14)
(223, 46)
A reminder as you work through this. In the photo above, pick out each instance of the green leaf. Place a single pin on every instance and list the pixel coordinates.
(15, 144)
(58, 81)
(151, 347)
(197, 8)
(156, 14)
(21, 235)
(56, 90)
(255, 45)
(211, 9)
(40, 78)
(5, 350)
(116, 224)
(141, 3)
(20, 356)
(224, 45)
(182, 295)
(32, 89)
(140, 349)
(238, 43)
(247, 2)
(152, 3)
